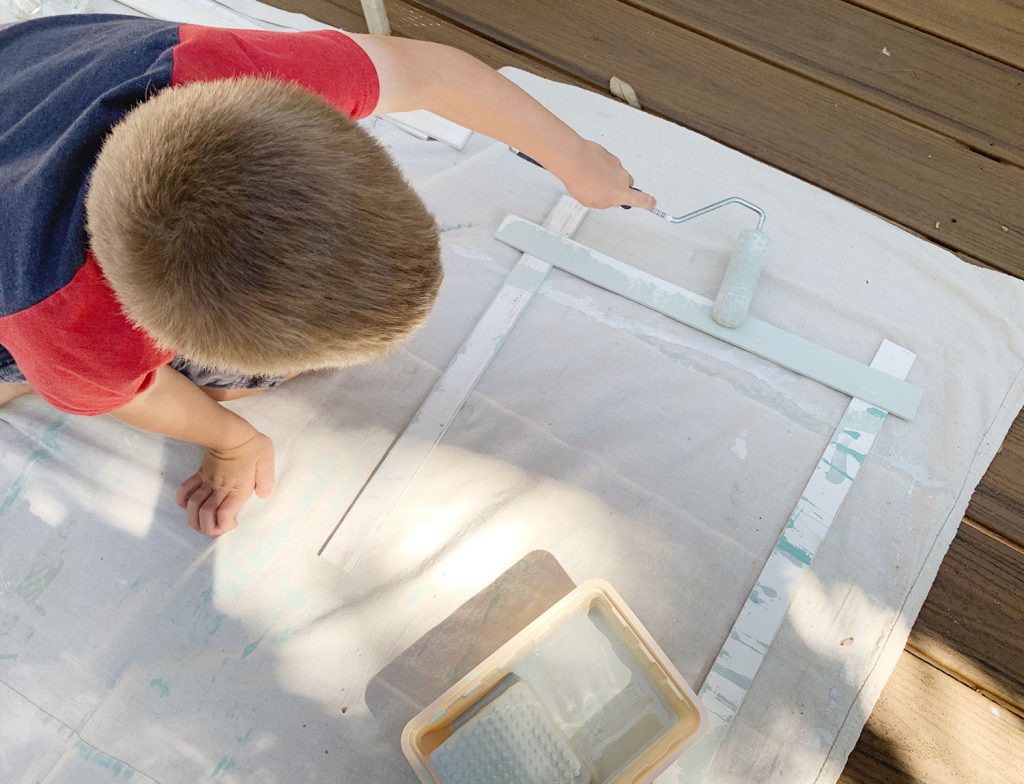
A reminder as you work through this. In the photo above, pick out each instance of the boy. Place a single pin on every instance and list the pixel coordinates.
(190, 215)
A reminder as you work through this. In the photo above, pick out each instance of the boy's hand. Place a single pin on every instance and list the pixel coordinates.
(214, 495)
(423, 75)
(596, 178)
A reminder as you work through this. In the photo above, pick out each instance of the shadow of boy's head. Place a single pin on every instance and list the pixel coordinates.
(247, 224)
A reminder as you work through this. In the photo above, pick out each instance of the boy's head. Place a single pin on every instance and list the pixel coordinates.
(248, 225)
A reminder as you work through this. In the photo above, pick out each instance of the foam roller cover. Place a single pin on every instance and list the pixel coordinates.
(737, 289)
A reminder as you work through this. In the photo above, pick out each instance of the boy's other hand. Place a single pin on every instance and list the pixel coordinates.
(214, 495)
(597, 179)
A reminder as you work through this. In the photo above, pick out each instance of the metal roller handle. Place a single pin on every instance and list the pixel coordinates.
(704, 210)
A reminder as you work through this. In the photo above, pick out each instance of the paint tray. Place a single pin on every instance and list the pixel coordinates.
(583, 695)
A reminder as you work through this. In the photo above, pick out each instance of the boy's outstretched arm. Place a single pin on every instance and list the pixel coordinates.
(239, 459)
(455, 85)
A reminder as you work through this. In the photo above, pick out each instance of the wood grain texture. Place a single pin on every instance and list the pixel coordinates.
(928, 728)
(407, 21)
(347, 15)
(908, 173)
(972, 623)
(880, 61)
(998, 503)
(991, 27)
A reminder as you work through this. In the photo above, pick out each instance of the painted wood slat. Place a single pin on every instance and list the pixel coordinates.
(427, 125)
(371, 508)
(751, 636)
(758, 337)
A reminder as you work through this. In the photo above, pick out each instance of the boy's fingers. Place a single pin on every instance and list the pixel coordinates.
(265, 476)
(208, 513)
(195, 502)
(635, 198)
(227, 512)
(186, 488)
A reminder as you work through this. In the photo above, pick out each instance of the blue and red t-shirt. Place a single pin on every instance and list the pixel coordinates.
(65, 81)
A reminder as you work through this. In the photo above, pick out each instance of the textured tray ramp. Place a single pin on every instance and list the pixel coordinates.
(511, 741)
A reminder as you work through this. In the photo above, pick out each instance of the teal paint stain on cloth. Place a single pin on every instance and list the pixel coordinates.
(8, 656)
(876, 412)
(793, 552)
(120, 770)
(286, 634)
(852, 433)
(225, 764)
(248, 650)
(159, 683)
(296, 598)
(49, 444)
(244, 738)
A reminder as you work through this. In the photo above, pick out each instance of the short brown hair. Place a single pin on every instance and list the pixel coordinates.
(250, 226)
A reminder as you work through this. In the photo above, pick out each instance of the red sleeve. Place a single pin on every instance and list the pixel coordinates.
(325, 62)
(77, 349)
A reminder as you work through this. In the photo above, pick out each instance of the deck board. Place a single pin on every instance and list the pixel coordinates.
(875, 59)
(973, 622)
(992, 27)
(998, 503)
(866, 136)
(928, 728)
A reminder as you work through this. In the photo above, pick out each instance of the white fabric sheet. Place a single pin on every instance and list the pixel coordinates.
(605, 441)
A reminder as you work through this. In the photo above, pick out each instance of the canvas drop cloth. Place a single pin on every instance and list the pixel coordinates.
(604, 441)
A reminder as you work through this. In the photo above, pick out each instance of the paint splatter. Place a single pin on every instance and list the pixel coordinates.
(225, 764)
(97, 757)
(49, 444)
(160, 684)
(739, 446)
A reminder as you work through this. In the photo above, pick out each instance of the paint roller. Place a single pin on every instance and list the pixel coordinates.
(744, 268)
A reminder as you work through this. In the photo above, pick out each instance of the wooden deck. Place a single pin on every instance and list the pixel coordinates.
(913, 109)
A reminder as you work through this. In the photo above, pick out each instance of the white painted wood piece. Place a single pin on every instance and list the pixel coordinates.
(376, 17)
(375, 502)
(198, 12)
(261, 12)
(427, 125)
(758, 337)
(751, 636)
